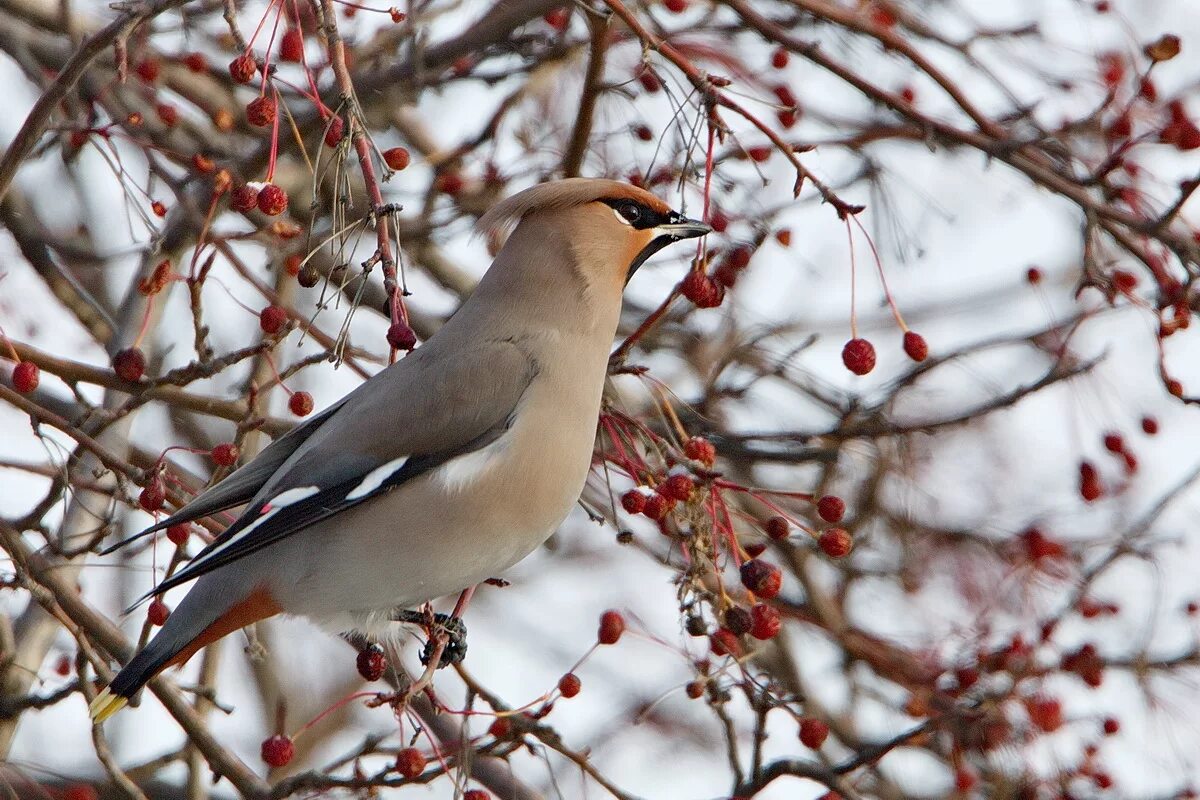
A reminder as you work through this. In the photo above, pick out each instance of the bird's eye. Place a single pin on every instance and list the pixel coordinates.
(632, 212)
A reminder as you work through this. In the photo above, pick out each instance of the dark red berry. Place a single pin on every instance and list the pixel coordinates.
(1033, 275)
(656, 507)
(831, 508)
(777, 528)
(25, 377)
(700, 449)
(157, 612)
(649, 81)
(737, 620)
(762, 578)
(260, 112)
(699, 287)
(450, 183)
(1089, 482)
(915, 346)
(401, 337)
(371, 663)
(695, 689)
(476, 794)
(725, 643)
(398, 158)
(1149, 426)
(612, 625)
(779, 58)
(129, 364)
(225, 454)
(147, 69)
(836, 542)
(1111, 726)
(243, 198)
(813, 732)
(675, 6)
(178, 533)
(1113, 443)
(272, 319)
(196, 62)
(410, 762)
(152, 498)
(334, 132)
(272, 200)
(859, 356)
(278, 750)
(300, 404)
(500, 728)
(569, 685)
(633, 501)
(678, 487)
(764, 622)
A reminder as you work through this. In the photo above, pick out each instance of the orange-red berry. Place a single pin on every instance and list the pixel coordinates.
(612, 625)
(300, 404)
(225, 454)
(700, 449)
(410, 762)
(178, 533)
(242, 68)
(272, 200)
(25, 377)
(831, 508)
(291, 46)
(398, 158)
(272, 319)
(569, 685)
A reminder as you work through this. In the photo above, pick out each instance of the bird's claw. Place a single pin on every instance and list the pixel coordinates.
(454, 629)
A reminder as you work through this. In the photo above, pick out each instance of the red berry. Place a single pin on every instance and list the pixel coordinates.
(678, 487)
(450, 183)
(777, 528)
(129, 364)
(244, 198)
(152, 498)
(1111, 726)
(1033, 275)
(1044, 713)
(695, 689)
(762, 578)
(701, 289)
(225, 454)
(557, 19)
(401, 337)
(178, 533)
(500, 728)
(718, 221)
(779, 58)
(725, 643)
(398, 158)
(1089, 482)
(476, 794)
(569, 685)
(272, 200)
(907, 94)
(612, 625)
(656, 507)
(859, 356)
(1149, 426)
(301, 404)
(272, 319)
(371, 663)
(196, 62)
(755, 550)
(147, 69)
(158, 208)
(831, 508)
(167, 114)
(675, 6)
(633, 501)
(157, 612)
(291, 46)
(410, 762)
(915, 346)
(242, 68)
(260, 112)
(63, 666)
(333, 133)
(649, 80)
(278, 750)
(836, 542)
(700, 449)
(765, 623)
(1113, 443)
(813, 732)
(26, 376)
(737, 620)
(644, 133)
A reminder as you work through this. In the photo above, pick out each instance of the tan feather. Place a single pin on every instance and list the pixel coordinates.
(505, 215)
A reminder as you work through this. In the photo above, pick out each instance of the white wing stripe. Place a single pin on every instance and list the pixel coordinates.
(275, 505)
(376, 477)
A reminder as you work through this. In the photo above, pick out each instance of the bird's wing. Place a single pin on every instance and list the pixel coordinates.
(240, 486)
(418, 414)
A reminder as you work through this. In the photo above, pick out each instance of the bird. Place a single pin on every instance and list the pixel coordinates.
(445, 468)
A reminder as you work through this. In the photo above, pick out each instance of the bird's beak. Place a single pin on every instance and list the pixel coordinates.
(680, 227)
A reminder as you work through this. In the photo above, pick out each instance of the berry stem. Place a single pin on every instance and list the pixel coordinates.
(887, 292)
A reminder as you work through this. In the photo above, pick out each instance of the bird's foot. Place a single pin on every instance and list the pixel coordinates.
(453, 628)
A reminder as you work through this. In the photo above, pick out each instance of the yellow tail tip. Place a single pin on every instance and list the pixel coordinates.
(105, 705)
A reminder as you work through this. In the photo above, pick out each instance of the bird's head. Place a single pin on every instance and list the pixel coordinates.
(607, 228)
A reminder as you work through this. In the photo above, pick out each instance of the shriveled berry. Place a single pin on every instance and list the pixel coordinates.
(678, 487)
(334, 132)
(764, 621)
(737, 620)
(300, 404)
(476, 794)
(398, 158)
(569, 685)
(157, 612)
(500, 728)
(813, 732)
(859, 356)
(704, 291)
(278, 750)
(656, 507)
(371, 663)
(243, 198)
(225, 454)
(308, 276)
(777, 528)
(410, 762)
(612, 625)
(401, 337)
(915, 346)
(695, 689)
(700, 449)
(633, 501)
(152, 498)
(272, 319)
(724, 642)
(178, 533)
(272, 200)
(129, 364)
(291, 46)
(242, 68)
(26, 376)
(831, 508)
(762, 578)
(260, 112)
(836, 542)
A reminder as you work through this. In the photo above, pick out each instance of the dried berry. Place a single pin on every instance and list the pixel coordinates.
(300, 404)
(633, 501)
(291, 46)
(130, 364)
(243, 198)
(678, 487)
(401, 337)
(700, 449)
(398, 158)
(569, 685)
(25, 377)
(371, 663)
(272, 319)
(859, 356)
(725, 643)
(242, 68)
(656, 507)
(278, 750)
(737, 620)
(272, 200)
(831, 508)
(762, 578)
(764, 622)
(836, 542)
(777, 528)
(308, 276)
(612, 625)
(225, 454)
(410, 762)
(700, 287)
(260, 112)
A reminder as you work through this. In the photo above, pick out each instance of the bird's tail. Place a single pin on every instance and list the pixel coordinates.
(192, 626)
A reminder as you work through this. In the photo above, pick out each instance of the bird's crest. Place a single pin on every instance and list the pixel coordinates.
(504, 216)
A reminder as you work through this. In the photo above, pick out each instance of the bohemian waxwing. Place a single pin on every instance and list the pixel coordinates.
(447, 467)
